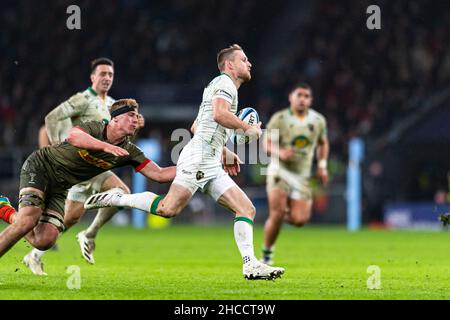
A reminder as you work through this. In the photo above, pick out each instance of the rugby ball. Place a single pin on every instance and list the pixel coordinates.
(249, 116)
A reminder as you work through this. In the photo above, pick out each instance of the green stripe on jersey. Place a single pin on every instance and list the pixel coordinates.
(92, 91)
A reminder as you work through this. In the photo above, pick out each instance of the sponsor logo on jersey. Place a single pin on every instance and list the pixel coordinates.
(100, 163)
(199, 175)
(32, 176)
(186, 172)
(300, 142)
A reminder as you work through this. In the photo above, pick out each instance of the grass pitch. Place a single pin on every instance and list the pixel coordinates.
(202, 262)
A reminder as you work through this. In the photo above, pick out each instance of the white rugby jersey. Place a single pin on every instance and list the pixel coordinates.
(81, 107)
(207, 129)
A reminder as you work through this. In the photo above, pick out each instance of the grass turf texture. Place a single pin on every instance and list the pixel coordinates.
(196, 262)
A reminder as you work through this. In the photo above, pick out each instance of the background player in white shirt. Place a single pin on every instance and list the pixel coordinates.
(92, 104)
(200, 163)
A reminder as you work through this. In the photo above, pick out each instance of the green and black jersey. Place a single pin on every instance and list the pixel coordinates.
(68, 165)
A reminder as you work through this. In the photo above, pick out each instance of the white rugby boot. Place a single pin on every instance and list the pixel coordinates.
(34, 263)
(256, 270)
(87, 247)
(103, 199)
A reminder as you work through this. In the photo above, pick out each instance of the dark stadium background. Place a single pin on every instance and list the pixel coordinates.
(391, 87)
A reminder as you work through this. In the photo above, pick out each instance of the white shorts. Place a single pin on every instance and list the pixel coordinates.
(80, 192)
(198, 170)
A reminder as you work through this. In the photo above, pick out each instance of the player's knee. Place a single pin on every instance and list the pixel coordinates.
(252, 211)
(169, 212)
(45, 237)
(248, 211)
(299, 221)
(44, 244)
(125, 189)
(173, 212)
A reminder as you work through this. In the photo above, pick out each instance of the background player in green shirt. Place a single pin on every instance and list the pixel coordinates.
(90, 149)
(293, 135)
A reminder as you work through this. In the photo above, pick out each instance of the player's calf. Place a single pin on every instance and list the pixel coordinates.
(298, 221)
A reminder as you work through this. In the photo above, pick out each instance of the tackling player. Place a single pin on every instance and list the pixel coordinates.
(293, 134)
(90, 105)
(90, 149)
(200, 163)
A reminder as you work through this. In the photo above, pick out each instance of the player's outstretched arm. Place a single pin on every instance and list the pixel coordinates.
(156, 173)
(81, 139)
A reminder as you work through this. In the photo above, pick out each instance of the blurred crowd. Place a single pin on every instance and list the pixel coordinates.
(174, 41)
(364, 81)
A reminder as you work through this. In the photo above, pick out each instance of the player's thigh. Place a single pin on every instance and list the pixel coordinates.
(111, 180)
(300, 204)
(278, 201)
(235, 199)
(54, 211)
(299, 211)
(278, 191)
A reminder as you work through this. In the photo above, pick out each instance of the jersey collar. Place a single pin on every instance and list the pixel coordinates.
(92, 91)
(226, 74)
(292, 113)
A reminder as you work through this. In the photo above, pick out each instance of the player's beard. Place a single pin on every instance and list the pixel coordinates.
(245, 77)
(301, 109)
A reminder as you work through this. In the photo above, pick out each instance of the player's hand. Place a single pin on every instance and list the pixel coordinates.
(141, 121)
(254, 130)
(286, 153)
(231, 163)
(115, 150)
(322, 174)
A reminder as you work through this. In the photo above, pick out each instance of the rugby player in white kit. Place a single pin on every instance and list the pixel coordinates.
(205, 163)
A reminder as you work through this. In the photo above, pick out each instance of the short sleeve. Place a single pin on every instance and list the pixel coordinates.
(76, 105)
(93, 128)
(323, 129)
(274, 122)
(225, 89)
(137, 157)
(273, 128)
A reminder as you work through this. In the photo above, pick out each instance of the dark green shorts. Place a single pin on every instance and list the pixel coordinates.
(50, 197)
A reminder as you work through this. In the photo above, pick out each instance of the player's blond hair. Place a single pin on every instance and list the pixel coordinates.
(226, 54)
(125, 102)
